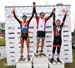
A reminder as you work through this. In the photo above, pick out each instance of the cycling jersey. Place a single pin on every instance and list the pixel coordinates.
(24, 30)
(24, 25)
(57, 31)
(41, 23)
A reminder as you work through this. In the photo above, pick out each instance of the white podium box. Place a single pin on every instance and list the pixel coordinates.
(40, 62)
(56, 65)
(23, 64)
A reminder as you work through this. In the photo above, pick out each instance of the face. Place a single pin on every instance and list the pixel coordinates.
(24, 18)
(58, 22)
(42, 14)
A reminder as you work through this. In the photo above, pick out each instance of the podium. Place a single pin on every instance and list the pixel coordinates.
(56, 65)
(40, 62)
(24, 64)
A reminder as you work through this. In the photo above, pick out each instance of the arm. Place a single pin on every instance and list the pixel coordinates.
(34, 5)
(52, 13)
(54, 19)
(16, 17)
(35, 11)
(32, 15)
(36, 16)
(64, 18)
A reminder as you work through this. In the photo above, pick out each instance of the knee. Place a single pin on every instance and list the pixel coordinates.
(38, 40)
(54, 46)
(59, 46)
(21, 41)
(28, 40)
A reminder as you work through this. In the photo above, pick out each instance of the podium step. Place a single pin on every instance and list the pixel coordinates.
(23, 64)
(40, 62)
(56, 65)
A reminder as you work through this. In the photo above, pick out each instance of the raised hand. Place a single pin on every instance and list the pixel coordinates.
(13, 9)
(53, 10)
(34, 5)
(66, 11)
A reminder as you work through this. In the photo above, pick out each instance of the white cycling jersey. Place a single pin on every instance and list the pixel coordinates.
(41, 25)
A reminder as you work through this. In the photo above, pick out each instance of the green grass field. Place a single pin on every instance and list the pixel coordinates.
(2, 41)
(70, 65)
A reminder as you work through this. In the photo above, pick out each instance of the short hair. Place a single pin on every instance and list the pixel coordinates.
(24, 16)
(41, 13)
(58, 20)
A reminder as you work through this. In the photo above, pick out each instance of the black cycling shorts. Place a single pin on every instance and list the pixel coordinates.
(57, 40)
(41, 34)
(24, 36)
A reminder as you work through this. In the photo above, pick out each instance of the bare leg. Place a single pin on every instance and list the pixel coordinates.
(42, 43)
(42, 46)
(22, 46)
(37, 46)
(28, 48)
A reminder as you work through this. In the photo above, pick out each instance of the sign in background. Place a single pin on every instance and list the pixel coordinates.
(12, 33)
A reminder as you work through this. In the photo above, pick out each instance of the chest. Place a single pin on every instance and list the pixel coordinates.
(58, 29)
(41, 22)
(24, 25)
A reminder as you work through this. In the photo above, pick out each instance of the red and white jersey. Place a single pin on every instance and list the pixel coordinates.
(41, 23)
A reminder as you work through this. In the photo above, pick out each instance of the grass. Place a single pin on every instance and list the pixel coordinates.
(67, 65)
(2, 41)
(3, 64)
(71, 65)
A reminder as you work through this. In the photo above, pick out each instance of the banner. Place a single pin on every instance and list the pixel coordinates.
(12, 33)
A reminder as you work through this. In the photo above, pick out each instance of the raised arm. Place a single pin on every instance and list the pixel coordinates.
(52, 13)
(34, 5)
(16, 16)
(64, 18)
(54, 18)
(32, 13)
(36, 16)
